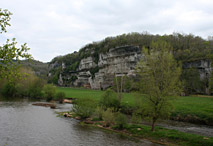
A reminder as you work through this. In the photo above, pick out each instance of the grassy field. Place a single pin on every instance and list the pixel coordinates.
(195, 109)
(95, 94)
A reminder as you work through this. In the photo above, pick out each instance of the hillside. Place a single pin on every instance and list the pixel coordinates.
(96, 64)
(40, 68)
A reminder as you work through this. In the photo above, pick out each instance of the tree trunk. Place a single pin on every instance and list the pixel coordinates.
(153, 124)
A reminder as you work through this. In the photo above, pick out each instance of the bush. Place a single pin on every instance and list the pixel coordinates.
(120, 120)
(136, 118)
(35, 88)
(49, 92)
(60, 96)
(84, 107)
(99, 113)
(109, 100)
(8, 90)
(21, 91)
(108, 117)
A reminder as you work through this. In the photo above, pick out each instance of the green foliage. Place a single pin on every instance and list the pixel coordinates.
(99, 112)
(93, 71)
(125, 82)
(159, 79)
(136, 118)
(109, 100)
(60, 96)
(192, 81)
(4, 19)
(35, 88)
(49, 92)
(211, 83)
(84, 107)
(109, 117)
(9, 51)
(8, 90)
(27, 86)
(73, 78)
(120, 120)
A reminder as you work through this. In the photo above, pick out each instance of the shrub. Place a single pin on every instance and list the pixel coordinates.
(108, 117)
(99, 113)
(109, 100)
(21, 91)
(49, 92)
(84, 107)
(136, 118)
(8, 90)
(60, 96)
(35, 88)
(120, 120)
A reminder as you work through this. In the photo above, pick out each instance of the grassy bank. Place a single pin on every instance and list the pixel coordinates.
(160, 135)
(168, 136)
(194, 109)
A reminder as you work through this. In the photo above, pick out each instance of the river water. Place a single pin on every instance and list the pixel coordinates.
(22, 124)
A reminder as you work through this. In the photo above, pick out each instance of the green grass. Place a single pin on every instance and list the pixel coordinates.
(129, 98)
(197, 107)
(186, 108)
(80, 93)
(167, 135)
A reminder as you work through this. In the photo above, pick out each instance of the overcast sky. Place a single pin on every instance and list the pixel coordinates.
(58, 27)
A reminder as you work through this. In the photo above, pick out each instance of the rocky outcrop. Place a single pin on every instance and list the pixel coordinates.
(203, 66)
(117, 61)
(98, 73)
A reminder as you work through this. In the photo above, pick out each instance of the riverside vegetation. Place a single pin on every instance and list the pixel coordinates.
(131, 126)
(159, 85)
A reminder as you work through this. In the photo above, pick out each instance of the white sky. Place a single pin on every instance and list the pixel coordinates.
(58, 27)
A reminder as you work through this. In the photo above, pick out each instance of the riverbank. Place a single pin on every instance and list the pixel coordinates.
(23, 124)
(193, 109)
(160, 135)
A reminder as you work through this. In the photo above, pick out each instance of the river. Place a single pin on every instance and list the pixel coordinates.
(22, 124)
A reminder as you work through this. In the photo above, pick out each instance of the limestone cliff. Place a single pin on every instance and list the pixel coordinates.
(115, 62)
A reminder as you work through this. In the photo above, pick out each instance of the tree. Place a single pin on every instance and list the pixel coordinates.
(159, 80)
(9, 52)
(109, 100)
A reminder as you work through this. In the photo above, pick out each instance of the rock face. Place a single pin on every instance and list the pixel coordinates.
(100, 75)
(116, 62)
(203, 66)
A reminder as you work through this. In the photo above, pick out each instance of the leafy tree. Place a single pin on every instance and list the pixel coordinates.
(159, 79)
(109, 100)
(9, 52)
(28, 86)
